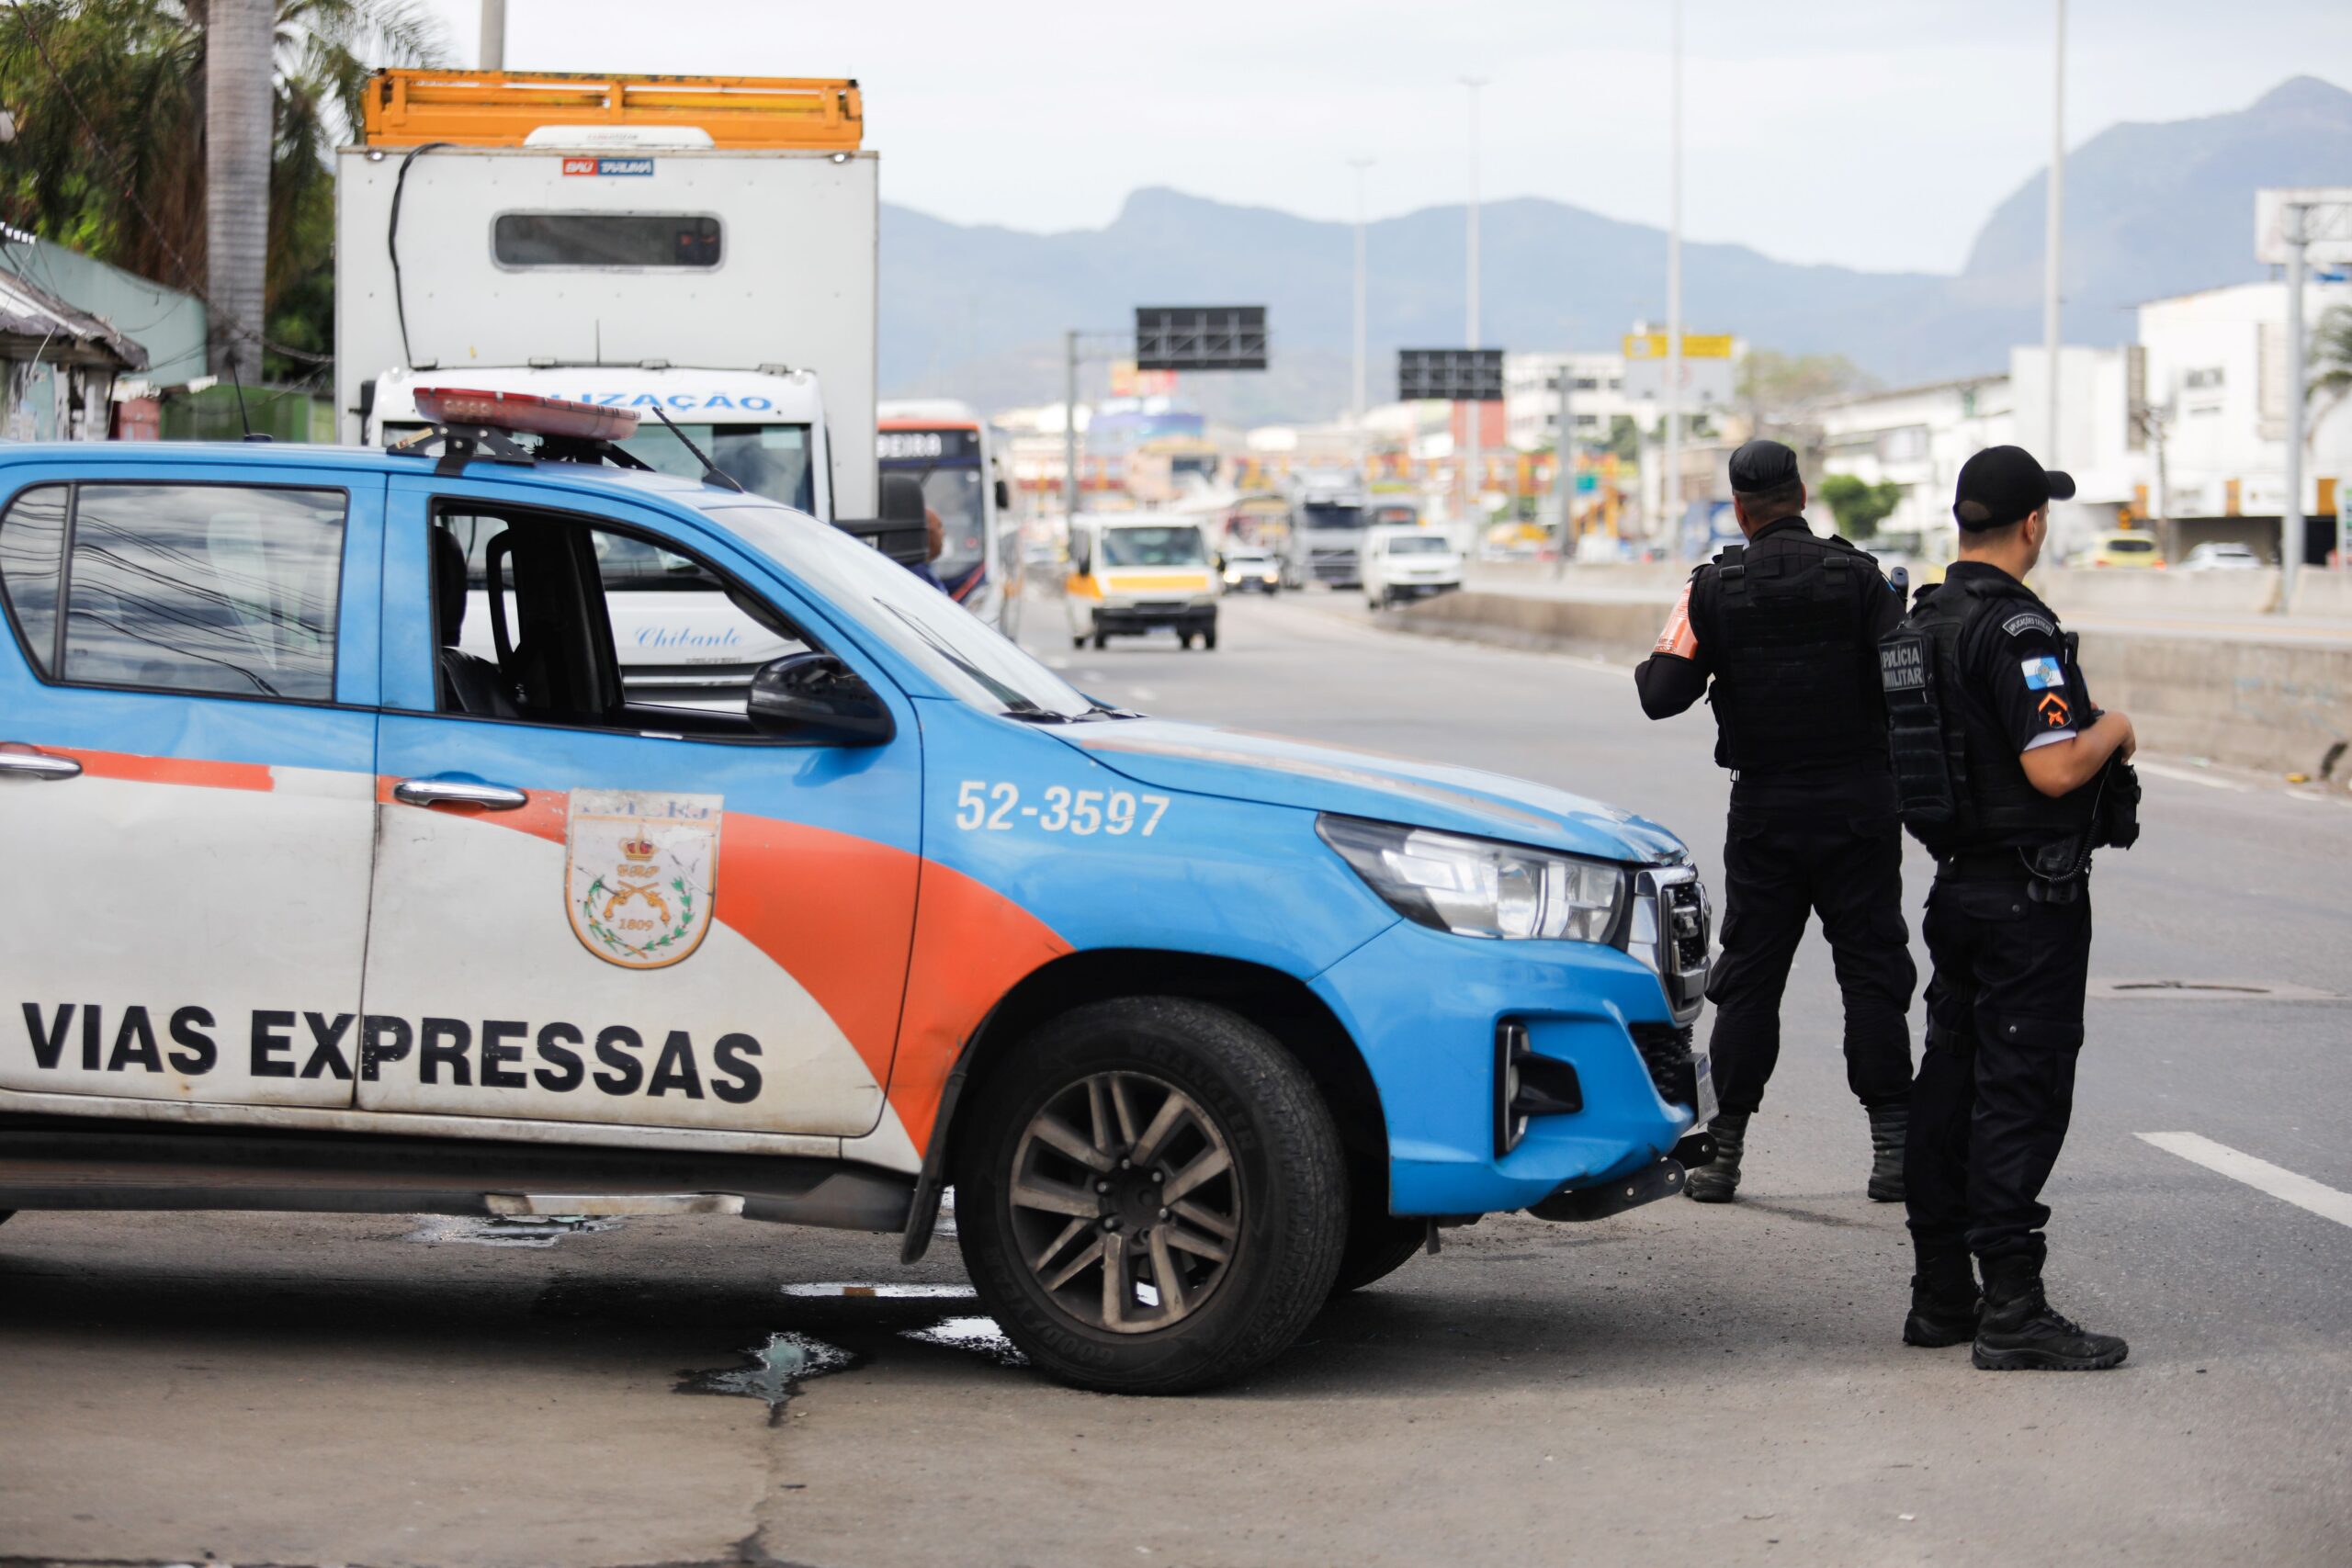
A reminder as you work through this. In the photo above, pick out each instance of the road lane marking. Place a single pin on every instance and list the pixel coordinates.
(2259, 1174)
(2191, 775)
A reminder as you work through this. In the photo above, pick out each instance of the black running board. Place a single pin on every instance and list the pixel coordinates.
(62, 1163)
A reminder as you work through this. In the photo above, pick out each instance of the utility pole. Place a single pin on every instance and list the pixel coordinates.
(2052, 331)
(1363, 442)
(1069, 432)
(238, 40)
(493, 35)
(1563, 465)
(1670, 492)
(1470, 460)
(2294, 224)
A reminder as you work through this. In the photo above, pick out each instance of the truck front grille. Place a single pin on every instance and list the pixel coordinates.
(1666, 1052)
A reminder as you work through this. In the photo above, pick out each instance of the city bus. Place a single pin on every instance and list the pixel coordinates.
(954, 452)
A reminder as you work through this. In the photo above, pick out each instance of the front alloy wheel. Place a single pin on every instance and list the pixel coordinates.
(1150, 1195)
(1125, 1202)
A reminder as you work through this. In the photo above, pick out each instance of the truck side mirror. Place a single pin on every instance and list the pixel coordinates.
(815, 696)
(1003, 495)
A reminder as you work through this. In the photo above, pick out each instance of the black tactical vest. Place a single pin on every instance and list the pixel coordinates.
(1795, 684)
(1956, 768)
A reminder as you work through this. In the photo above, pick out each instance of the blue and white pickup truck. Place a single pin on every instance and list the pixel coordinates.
(317, 909)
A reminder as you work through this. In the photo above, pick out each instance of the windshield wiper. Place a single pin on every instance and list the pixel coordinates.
(711, 472)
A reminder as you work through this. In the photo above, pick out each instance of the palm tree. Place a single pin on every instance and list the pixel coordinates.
(2331, 361)
(111, 153)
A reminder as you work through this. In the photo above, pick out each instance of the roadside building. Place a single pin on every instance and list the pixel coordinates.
(2213, 383)
(61, 365)
(1915, 437)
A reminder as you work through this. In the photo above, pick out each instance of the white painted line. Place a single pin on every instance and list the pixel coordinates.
(2193, 775)
(2258, 1174)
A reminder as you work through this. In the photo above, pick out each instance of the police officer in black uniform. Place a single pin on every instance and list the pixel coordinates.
(1786, 628)
(2011, 777)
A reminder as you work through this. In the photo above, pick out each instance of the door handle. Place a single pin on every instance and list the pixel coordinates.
(19, 760)
(458, 792)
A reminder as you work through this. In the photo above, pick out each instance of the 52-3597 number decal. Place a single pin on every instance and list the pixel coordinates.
(997, 808)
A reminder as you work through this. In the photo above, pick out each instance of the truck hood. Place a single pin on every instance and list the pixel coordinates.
(1242, 765)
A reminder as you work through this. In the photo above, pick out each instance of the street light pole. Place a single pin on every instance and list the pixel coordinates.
(493, 36)
(2294, 223)
(1671, 481)
(1474, 456)
(1069, 431)
(1363, 444)
(2053, 332)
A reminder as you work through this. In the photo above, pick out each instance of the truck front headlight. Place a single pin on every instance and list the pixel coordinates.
(1478, 886)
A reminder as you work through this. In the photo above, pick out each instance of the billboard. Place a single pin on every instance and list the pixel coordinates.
(1706, 368)
(2327, 216)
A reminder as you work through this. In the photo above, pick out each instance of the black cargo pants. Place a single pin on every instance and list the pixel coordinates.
(1996, 1083)
(1778, 869)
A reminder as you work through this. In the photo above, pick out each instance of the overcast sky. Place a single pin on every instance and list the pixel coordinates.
(1864, 132)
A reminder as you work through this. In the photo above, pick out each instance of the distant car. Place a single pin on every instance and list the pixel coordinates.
(2123, 549)
(2222, 557)
(1407, 563)
(1246, 568)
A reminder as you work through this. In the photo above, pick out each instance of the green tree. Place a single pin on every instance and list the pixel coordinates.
(1776, 387)
(2330, 359)
(1624, 438)
(1860, 508)
(109, 156)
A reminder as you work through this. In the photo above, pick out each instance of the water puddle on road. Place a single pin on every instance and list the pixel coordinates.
(977, 1333)
(774, 1373)
(439, 1230)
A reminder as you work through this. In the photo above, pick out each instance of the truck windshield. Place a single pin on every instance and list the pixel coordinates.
(921, 624)
(766, 460)
(1316, 515)
(954, 494)
(1419, 544)
(1153, 546)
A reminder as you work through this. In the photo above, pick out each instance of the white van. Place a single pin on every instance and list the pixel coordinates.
(1407, 563)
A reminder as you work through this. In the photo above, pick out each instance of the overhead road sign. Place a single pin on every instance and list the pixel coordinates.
(1200, 337)
(1695, 345)
(1706, 368)
(2321, 215)
(1450, 375)
(407, 108)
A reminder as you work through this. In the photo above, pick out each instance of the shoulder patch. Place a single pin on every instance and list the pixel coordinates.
(2026, 621)
(2042, 674)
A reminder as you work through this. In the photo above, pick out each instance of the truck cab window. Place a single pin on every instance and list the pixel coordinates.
(606, 240)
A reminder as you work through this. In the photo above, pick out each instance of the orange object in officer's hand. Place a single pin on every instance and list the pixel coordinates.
(1678, 638)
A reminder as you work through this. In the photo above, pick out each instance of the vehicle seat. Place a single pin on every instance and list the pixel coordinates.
(470, 683)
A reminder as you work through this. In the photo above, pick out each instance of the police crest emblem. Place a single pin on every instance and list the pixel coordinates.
(641, 874)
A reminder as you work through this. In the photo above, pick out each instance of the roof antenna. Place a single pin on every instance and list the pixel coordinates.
(243, 418)
(711, 472)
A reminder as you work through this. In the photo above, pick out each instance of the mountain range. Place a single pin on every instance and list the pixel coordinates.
(2152, 209)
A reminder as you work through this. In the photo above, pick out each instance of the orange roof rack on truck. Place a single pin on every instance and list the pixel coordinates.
(502, 108)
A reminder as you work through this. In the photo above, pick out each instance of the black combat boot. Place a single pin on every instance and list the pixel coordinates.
(1944, 1302)
(1716, 1180)
(2019, 1332)
(1890, 1124)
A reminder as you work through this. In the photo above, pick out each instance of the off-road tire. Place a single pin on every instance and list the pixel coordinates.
(1290, 1174)
(1377, 1245)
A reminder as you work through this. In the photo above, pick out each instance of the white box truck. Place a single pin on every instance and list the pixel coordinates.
(702, 246)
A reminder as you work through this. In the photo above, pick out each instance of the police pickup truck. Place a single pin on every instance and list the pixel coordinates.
(319, 911)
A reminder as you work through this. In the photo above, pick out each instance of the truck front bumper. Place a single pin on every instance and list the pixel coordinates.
(1425, 1008)
(1149, 615)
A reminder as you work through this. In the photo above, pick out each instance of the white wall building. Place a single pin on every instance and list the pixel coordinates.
(2215, 375)
(1917, 437)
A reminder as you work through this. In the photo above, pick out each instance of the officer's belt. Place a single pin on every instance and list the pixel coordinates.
(1983, 864)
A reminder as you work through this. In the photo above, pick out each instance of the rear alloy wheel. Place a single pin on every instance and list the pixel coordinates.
(1151, 1196)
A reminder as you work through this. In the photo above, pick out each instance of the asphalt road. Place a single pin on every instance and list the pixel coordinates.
(1676, 1384)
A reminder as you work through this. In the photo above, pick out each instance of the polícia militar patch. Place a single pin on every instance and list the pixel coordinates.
(2041, 672)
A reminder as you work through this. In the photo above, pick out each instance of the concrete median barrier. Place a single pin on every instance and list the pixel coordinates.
(2272, 703)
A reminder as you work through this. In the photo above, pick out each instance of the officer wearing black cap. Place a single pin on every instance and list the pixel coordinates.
(2010, 776)
(1786, 628)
